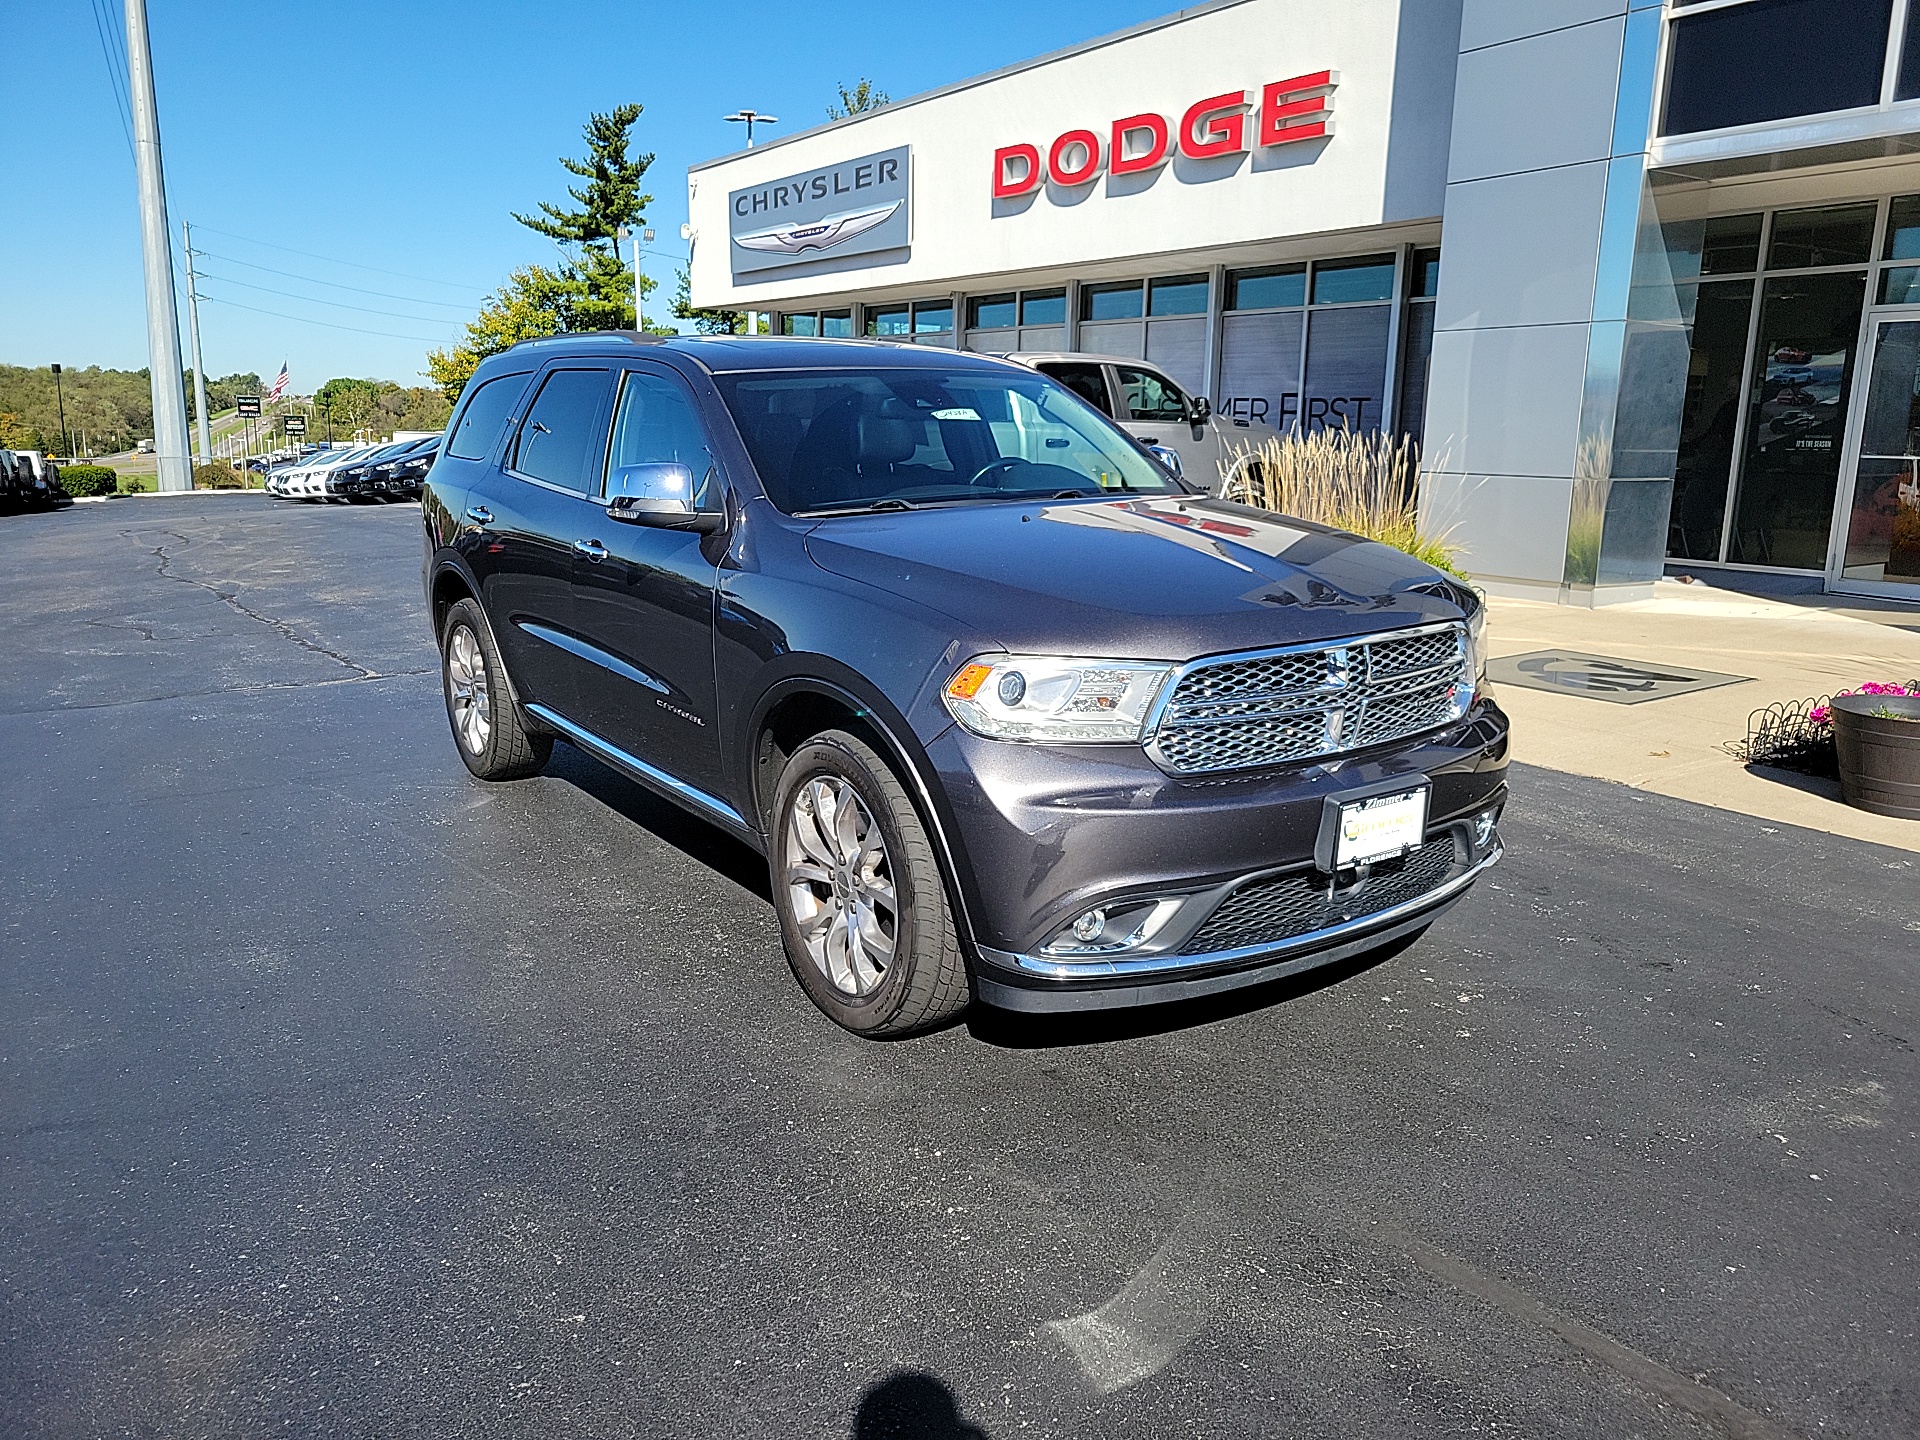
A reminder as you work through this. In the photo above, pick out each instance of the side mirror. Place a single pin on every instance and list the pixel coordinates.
(1199, 408)
(1169, 459)
(657, 495)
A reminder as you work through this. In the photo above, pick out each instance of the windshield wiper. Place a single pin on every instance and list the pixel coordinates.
(885, 502)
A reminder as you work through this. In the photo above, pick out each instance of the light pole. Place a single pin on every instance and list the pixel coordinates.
(61, 400)
(751, 118)
(173, 467)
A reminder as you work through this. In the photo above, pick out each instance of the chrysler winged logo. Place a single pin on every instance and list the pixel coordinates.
(822, 234)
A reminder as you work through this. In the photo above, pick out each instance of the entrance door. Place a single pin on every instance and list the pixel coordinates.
(1879, 551)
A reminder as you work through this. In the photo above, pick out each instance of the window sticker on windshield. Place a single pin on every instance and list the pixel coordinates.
(956, 414)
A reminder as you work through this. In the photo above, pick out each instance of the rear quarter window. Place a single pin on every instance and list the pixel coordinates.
(483, 416)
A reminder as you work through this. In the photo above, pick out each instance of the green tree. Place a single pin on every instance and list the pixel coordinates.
(592, 289)
(707, 322)
(864, 96)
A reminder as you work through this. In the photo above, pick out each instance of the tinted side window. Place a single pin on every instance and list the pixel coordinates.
(1150, 396)
(1086, 381)
(562, 428)
(486, 411)
(657, 424)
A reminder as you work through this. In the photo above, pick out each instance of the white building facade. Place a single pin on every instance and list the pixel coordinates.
(1643, 278)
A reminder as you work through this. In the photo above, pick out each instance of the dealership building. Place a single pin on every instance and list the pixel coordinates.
(1643, 279)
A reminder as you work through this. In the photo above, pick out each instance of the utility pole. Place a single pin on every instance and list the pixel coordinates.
(61, 399)
(205, 450)
(172, 464)
(621, 232)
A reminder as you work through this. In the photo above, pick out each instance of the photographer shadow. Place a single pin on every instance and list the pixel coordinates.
(912, 1405)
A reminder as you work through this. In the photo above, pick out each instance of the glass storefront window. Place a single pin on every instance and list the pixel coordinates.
(1830, 235)
(1774, 59)
(1043, 307)
(799, 324)
(1796, 418)
(1883, 524)
(836, 324)
(1730, 245)
(1903, 220)
(1349, 282)
(991, 312)
(1900, 285)
(1710, 417)
(1423, 276)
(889, 320)
(1178, 295)
(1110, 302)
(933, 318)
(1272, 287)
(1907, 87)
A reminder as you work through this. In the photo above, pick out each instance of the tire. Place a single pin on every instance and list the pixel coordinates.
(487, 729)
(871, 939)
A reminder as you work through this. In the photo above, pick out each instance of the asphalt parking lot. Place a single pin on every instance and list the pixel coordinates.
(343, 1095)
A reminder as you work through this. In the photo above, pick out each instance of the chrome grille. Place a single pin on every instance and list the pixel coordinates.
(1245, 711)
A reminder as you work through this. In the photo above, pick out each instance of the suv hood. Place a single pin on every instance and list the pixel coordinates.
(1163, 578)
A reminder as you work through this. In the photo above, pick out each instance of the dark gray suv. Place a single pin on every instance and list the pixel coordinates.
(1014, 713)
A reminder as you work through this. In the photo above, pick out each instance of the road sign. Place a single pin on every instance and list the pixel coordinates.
(296, 425)
(247, 405)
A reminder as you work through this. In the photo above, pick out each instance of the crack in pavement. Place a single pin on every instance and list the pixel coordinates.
(264, 687)
(232, 601)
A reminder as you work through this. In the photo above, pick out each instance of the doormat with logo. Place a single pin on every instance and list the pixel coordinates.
(1602, 677)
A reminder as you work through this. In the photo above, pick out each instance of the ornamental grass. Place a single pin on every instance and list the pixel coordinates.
(1366, 483)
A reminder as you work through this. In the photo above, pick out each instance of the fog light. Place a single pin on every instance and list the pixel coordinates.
(1110, 929)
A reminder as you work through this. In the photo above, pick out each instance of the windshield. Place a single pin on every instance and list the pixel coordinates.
(832, 440)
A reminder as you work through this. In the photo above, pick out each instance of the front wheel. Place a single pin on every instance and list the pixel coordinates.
(486, 724)
(864, 916)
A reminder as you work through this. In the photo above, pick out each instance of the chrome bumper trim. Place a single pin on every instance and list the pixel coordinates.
(1048, 969)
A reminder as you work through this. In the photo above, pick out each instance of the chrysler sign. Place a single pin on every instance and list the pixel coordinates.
(857, 207)
(1283, 113)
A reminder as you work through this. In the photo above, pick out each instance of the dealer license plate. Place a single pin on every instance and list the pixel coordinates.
(1380, 828)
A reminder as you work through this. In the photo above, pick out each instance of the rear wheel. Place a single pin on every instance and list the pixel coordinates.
(487, 730)
(863, 911)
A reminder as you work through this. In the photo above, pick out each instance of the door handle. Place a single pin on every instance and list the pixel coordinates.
(480, 514)
(592, 549)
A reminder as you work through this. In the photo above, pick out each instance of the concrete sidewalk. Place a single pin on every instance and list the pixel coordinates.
(1791, 647)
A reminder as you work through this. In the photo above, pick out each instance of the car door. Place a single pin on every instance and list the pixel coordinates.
(531, 508)
(644, 596)
(1157, 411)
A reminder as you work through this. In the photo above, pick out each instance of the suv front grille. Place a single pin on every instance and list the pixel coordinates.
(1268, 912)
(1271, 709)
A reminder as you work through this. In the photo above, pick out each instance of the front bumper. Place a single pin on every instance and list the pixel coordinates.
(1044, 834)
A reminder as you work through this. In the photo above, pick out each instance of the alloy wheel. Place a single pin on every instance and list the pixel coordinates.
(840, 884)
(467, 693)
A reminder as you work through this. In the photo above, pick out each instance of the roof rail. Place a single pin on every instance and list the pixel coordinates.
(632, 337)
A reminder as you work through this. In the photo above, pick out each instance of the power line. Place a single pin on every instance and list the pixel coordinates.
(334, 284)
(113, 80)
(327, 324)
(314, 300)
(354, 264)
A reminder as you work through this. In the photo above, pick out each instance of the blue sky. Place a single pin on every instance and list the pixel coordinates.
(398, 135)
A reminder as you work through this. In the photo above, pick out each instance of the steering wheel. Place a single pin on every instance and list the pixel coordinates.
(1005, 467)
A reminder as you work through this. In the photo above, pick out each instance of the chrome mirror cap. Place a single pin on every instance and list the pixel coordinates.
(658, 495)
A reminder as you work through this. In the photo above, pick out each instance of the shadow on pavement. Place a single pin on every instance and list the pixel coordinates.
(1015, 1031)
(912, 1405)
(708, 844)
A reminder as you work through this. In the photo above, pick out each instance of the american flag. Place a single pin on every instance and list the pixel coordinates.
(279, 387)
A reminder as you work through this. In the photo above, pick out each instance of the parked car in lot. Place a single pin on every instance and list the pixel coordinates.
(1209, 449)
(29, 481)
(401, 476)
(373, 475)
(1013, 712)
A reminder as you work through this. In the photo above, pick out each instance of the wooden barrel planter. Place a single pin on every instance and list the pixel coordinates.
(1879, 756)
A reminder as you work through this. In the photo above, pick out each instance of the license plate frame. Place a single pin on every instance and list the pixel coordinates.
(1391, 816)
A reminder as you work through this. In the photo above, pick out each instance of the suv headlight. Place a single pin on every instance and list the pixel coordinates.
(1055, 698)
(1477, 645)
